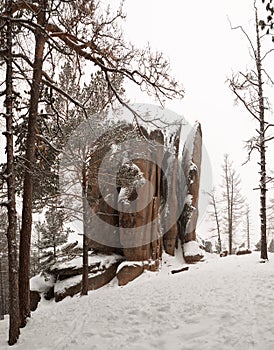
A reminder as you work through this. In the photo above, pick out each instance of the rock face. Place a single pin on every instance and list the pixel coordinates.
(170, 214)
(72, 286)
(68, 273)
(65, 276)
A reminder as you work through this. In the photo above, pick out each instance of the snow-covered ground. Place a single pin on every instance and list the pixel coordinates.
(222, 303)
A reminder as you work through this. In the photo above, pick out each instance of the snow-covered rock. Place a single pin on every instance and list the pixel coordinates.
(42, 282)
(102, 269)
(192, 252)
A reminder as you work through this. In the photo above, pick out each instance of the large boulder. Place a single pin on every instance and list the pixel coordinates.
(192, 252)
(128, 273)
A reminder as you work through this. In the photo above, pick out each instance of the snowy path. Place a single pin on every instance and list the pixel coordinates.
(222, 304)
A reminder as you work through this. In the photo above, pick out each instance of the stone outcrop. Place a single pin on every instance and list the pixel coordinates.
(192, 157)
(180, 161)
(64, 277)
(141, 221)
(71, 268)
(97, 280)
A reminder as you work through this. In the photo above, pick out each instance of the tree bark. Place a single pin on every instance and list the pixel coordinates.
(84, 290)
(217, 221)
(2, 297)
(10, 179)
(248, 228)
(261, 144)
(229, 203)
(25, 234)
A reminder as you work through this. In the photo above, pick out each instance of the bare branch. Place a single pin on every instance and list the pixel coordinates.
(247, 36)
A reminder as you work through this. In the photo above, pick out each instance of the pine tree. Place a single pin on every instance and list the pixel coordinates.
(52, 235)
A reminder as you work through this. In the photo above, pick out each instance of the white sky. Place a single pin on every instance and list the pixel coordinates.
(203, 51)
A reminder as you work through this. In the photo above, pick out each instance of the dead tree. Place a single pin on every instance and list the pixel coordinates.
(248, 89)
(232, 199)
(215, 214)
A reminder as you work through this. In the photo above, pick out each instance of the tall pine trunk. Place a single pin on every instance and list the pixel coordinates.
(84, 290)
(10, 179)
(261, 145)
(25, 234)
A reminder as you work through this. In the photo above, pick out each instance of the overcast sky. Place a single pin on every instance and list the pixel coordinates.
(204, 51)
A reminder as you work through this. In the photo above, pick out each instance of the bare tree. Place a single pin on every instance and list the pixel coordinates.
(248, 89)
(232, 199)
(216, 216)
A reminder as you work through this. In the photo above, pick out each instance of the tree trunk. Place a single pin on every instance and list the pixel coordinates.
(2, 303)
(25, 234)
(248, 234)
(231, 215)
(261, 145)
(84, 290)
(217, 222)
(11, 205)
(229, 204)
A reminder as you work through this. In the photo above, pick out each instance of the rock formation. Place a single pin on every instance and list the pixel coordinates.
(171, 213)
(153, 207)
